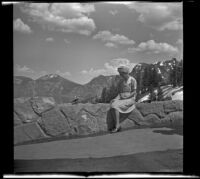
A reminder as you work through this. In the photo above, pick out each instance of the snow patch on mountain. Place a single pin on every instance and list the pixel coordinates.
(161, 64)
(145, 98)
(178, 96)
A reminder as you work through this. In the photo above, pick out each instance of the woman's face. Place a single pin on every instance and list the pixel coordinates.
(124, 75)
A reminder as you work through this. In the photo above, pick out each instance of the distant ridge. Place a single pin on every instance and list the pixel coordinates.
(64, 90)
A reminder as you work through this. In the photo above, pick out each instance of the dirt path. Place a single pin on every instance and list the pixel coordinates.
(162, 161)
(146, 150)
(122, 143)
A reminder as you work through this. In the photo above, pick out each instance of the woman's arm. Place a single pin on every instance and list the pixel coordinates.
(132, 94)
(133, 88)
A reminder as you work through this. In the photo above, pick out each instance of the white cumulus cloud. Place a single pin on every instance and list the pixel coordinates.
(154, 47)
(20, 26)
(49, 39)
(119, 2)
(159, 16)
(110, 68)
(109, 44)
(173, 25)
(107, 36)
(64, 17)
(113, 12)
(179, 41)
(24, 69)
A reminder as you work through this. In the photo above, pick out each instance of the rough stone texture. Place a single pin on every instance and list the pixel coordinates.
(87, 120)
(171, 106)
(34, 131)
(21, 99)
(151, 108)
(42, 104)
(175, 118)
(24, 111)
(110, 119)
(83, 119)
(20, 135)
(152, 119)
(137, 118)
(17, 121)
(127, 123)
(28, 132)
(54, 123)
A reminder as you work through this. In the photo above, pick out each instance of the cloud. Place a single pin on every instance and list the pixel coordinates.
(173, 25)
(154, 47)
(113, 12)
(41, 73)
(72, 10)
(109, 44)
(107, 36)
(160, 16)
(24, 69)
(64, 17)
(66, 41)
(119, 2)
(20, 26)
(110, 68)
(64, 74)
(179, 41)
(49, 39)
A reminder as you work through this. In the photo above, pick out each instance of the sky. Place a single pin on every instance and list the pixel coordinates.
(80, 41)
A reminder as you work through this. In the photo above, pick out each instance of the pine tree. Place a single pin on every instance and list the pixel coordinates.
(146, 79)
(103, 95)
(173, 77)
(180, 73)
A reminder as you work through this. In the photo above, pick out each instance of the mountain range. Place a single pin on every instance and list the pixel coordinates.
(64, 90)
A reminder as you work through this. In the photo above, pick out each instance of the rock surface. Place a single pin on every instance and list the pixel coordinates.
(174, 105)
(151, 108)
(175, 118)
(42, 104)
(28, 132)
(54, 123)
(152, 119)
(83, 119)
(24, 110)
(17, 120)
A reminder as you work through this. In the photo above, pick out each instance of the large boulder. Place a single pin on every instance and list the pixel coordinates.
(42, 104)
(17, 120)
(24, 110)
(174, 118)
(172, 106)
(151, 108)
(131, 119)
(86, 118)
(152, 119)
(137, 117)
(54, 123)
(28, 132)
(127, 124)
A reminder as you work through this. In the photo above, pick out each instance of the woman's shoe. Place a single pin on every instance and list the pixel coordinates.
(116, 129)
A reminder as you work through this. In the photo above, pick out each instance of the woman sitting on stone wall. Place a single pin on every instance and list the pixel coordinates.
(125, 101)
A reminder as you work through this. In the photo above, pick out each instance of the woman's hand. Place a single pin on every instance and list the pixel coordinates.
(111, 101)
